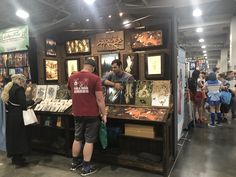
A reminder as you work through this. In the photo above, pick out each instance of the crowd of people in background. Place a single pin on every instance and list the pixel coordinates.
(214, 93)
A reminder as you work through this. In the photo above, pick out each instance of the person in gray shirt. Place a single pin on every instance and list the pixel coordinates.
(117, 76)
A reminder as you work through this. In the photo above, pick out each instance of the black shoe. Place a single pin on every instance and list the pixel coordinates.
(85, 171)
(75, 165)
(224, 120)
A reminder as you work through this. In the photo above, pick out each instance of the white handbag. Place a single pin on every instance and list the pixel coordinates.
(29, 117)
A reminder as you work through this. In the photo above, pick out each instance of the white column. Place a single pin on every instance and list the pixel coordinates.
(233, 44)
(223, 60)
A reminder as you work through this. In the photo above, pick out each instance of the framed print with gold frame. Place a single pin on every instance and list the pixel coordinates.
(154, 66)
(51, 69)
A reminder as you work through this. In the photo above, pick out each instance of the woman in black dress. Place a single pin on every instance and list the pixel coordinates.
(17, 141)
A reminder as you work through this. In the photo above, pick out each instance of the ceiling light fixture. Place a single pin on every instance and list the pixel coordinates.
(109, 16)
(87, 20)
(199, 30)
(205, 55)
(201, 40)
(204, 51)
(22, 14)
(89, 1)
(126, 22)
(121, 14)
(203, 47)
(197, 12)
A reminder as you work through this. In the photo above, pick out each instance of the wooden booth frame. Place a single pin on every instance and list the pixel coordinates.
(51, 69)
(154, 66)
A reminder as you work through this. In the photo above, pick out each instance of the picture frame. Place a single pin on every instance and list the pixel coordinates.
(78, 46)
(146, 39)
(72, 65)
(51, 91)
(41, 91)
(51, 69)
(50, 47)
(96, 59)
(131, 64)
(154, 66)
(106, 60)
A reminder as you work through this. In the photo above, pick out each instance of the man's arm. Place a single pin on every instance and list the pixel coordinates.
(101, 104)
(106, 80)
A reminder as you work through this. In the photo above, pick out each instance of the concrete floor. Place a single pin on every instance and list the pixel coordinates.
(210, 153)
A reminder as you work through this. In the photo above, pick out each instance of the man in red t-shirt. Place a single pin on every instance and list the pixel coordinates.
(87, 105)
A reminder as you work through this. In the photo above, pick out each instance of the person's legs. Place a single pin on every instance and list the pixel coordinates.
(212, 110)
(219, 116)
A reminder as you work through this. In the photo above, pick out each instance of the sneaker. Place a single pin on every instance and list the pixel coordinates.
(211, 125)
(219, 124)
(224, 120)
(88, 171)
(76, 165)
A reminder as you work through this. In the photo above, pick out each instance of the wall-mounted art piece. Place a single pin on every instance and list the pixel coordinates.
(95, 58)
(11, 71)
(51, 91)
(106, 60)
(79, 46)
(63, 92)
(113, 96)
(110, 41)
(129, 93)
(143, 93)
(146, 39)
(41, 91)
(51, 70)
(154, 66)
(72, 65)
(10, 60)
(50, 47)
(192, 65)
(19, 70)
(131, 64)
(161, 91)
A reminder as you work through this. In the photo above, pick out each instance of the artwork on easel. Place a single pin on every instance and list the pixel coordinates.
(63, 92)
(51, 91)
(161, 90)
(143, 92)
(128, 96)
(41, 91)
(131, 64)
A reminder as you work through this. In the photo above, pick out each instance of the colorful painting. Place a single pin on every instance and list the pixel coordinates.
(143, 93)
(78, 46)
(106, 60)
(131, 64)
(51, 70)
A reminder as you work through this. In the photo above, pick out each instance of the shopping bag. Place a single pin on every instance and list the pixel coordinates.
(103, 135)
(29, 117)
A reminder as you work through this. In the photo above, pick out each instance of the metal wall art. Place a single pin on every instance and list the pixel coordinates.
(131, 64)
(146, 39)
(50, 48)
(110, 41)
(78, 46)
(143, 93)
(51, 70)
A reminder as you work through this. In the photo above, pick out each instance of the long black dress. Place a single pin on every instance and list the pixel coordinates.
(17, 141)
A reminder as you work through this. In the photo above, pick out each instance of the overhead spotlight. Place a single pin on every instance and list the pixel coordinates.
(121, 14)
(109, 16)
(89, 1)
(201, 40)
(203, 47)
(205, 55)
(204, 51)
(197, 12)
(199, 30)
(126, 22)
(22, 14)
(87, 20)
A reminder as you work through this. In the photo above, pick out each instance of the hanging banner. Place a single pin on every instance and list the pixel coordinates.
(14, 39)
(180, 94)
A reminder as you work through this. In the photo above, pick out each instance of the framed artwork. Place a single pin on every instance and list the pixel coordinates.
(10, 60)
(19, 70)
(63, 92)
(50, 47)
(95, 58)
(41, 91)
(154, 66)
(106, 60)
(51, 92)
(110, 41)
(129, 93)
(11, 71)
(113, 96)
(192, 65)
(143, 93)
(78, 46)
(72, 65)
(146, 39)
(51, 70)
(131, 64)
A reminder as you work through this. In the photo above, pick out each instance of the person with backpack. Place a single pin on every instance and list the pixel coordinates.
(213, 87)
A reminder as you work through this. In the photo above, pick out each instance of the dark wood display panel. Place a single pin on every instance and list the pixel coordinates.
(150, 154)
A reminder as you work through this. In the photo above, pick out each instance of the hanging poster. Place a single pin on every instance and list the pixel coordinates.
(14, 39)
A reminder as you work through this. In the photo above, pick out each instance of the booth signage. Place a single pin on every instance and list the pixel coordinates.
(14, 39)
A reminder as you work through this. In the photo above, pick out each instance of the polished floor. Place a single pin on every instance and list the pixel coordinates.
(207, 152)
